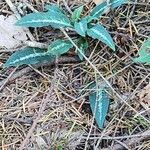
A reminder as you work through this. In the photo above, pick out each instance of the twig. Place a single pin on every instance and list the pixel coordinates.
(129, 142)
(8, 78)
(42, 106)
(26, 70)
(67, 7)
(131, 13)
(144, 134)
(35, 44)
(40, 112)
(98, 72)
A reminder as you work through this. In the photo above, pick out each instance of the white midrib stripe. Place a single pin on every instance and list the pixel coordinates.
(57, 47)
(100, 34)
(115, 2)
(29, 56)
(46, 21)
(81, 27)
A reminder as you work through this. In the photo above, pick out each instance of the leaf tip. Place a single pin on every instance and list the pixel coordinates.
(18, 23)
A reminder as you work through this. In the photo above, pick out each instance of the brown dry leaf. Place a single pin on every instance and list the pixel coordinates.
(98, 1)
(144, 95)
(9, 33)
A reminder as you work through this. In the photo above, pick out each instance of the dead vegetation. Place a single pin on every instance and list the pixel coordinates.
(46, 107)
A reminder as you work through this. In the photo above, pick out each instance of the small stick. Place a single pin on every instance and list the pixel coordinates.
(63, 59)
(67, 7)
(42, 106)
(8, 78)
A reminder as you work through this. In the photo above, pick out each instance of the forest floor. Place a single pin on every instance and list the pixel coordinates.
(48, 108)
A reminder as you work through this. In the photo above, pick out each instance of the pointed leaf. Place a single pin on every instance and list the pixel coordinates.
(59, 47)
(99, 103)
(76, 14)
(40, 19)
(82, 45)
(54, 8)
(29, 56)
(90, 18)
(99, 10)
(116, 3)
(144, 53)
(81, 27)
(100, 33)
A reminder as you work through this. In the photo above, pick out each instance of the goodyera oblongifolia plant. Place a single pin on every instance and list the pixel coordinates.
(57, 19)
(84, 27)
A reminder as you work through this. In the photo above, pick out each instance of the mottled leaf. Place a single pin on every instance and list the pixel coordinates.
(53, 17)
(28, 56)
(99, 10)
(100, 33)
(59, 47)
(81, 27)
(54, 8)
(76, 14)
(82, 45)
(99, 103)
(144, 53)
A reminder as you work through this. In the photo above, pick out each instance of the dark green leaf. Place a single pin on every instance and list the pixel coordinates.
(54, 8)
(99, 10)
(53, 17)
(76, 14)
(144, 53)
(29, 56)
(116, 3)
(100, 33)
(81, 27)
(90, 18)
(99, 103)
(82, 45)
(59, 47)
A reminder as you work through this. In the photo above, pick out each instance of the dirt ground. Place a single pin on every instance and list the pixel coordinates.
(47, 108)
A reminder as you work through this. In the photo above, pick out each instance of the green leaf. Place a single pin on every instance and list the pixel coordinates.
(53, 17)
(116, 3)
(90, 18)
(99, 10)
(76, 14)
(59, 47)
(54, 8)
(29, 56)
(82, 45)
(81, 27)
(103, 7)
(144, 53)
(99, 103)
(100, 33)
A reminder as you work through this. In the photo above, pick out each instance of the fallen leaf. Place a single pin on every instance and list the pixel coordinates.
(10, 35)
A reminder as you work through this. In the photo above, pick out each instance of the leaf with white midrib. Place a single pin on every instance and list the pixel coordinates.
(76, 14)
(99, 10)
(59, 47)
(40, 19)
(81, 27)
(28, 56)
(99, 103)
(100, 33)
